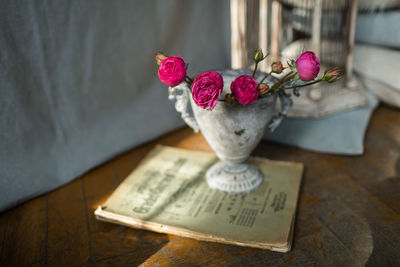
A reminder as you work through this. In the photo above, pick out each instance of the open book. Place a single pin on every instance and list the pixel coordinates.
(167, 193)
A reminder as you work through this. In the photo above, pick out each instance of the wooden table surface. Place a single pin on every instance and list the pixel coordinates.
(348, 213)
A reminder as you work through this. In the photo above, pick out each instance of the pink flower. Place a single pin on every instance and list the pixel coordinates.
(245, 89)
(172, 71)
(207, 88)
(307, 65)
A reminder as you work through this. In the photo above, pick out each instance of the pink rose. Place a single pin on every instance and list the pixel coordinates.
(307, 65)
(172, 71)
(207, 88)
(245, 89)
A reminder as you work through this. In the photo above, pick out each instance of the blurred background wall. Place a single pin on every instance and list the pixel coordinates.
(78, 81)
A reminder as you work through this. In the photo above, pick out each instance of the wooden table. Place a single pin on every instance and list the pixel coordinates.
(348, 214)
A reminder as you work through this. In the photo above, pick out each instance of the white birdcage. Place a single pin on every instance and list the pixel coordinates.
(285, 28)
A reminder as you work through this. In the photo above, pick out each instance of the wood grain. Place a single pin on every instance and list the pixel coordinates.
(26, 237)
(68, 242)
(3, 231)
(348, 213)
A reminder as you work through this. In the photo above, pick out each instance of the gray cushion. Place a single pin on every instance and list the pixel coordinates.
(340, 133)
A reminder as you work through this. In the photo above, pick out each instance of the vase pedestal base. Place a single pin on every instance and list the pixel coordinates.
(234, 177)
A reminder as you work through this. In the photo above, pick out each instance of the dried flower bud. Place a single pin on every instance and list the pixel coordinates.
(159, 56)
(277, 67)
(332, 75)
(263, 88)
(258, 55)
(230, 99)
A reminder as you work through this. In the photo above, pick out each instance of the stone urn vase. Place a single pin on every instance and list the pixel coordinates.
(232, 131)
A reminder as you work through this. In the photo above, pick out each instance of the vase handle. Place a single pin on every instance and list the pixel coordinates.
(181, 104)
(286, 104)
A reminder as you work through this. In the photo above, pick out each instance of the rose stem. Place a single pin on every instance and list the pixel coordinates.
(255, 69)
(189, 83)
(284, 79)
(190, 79)
(265, 77)
(302, 85)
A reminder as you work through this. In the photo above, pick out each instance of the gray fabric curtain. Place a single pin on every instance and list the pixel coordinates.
(79, 85)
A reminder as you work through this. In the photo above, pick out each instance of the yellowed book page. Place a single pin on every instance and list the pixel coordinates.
(168, 193)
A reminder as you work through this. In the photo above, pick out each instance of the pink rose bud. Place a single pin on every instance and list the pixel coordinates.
(230, 99)
(172, 71)
(307, 65)
(207, 88)
(332, 75)
(263, 88)
(245, 89)
(277, 67)
(258, 55)
(160, 56)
